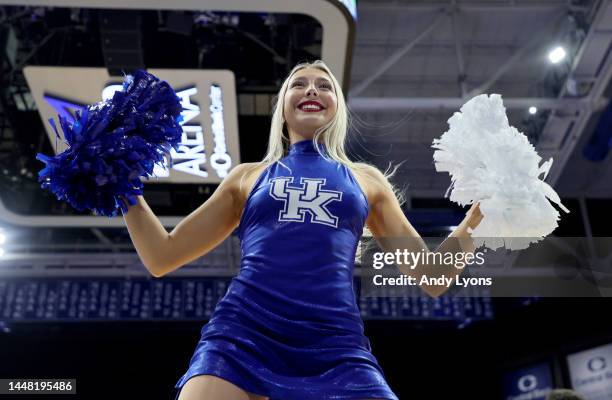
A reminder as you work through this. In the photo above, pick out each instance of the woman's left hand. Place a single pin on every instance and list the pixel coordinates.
(473, 217)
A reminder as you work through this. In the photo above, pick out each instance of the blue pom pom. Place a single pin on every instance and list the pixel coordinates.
(112, 144)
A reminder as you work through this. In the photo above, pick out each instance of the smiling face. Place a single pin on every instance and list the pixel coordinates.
(310, 103)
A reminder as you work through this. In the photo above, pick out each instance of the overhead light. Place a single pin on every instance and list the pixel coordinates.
(2, 238)
(1, 251)
(532, 110)
(557, 54)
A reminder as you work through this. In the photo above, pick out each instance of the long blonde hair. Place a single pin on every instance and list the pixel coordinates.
(332, 135)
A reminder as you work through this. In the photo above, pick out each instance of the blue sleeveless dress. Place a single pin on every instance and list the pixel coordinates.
(289, 327)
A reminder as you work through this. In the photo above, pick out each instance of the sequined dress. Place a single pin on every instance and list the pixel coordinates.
(288, 326)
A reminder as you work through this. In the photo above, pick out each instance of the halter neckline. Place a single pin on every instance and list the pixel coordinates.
(306, 147)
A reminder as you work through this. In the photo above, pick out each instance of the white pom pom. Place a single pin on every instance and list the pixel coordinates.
(493, 163)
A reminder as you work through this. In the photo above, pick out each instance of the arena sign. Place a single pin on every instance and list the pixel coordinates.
(337, 17)
(591, 372)
(209, 146)
(532, 382)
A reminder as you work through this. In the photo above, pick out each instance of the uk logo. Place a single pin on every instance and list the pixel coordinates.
(308, 198)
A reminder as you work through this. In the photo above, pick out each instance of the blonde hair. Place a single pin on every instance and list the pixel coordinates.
(332, 135)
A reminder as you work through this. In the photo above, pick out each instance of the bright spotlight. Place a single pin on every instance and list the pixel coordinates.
(2, 238)
(557, 54)
(532, 110)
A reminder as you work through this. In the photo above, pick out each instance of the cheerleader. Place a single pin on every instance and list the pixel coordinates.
(288, 326)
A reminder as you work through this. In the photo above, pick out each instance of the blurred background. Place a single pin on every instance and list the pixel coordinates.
(75, 301)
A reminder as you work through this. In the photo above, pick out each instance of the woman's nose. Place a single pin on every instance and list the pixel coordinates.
(312, 91)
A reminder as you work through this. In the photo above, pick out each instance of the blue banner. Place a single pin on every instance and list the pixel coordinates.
(528, 383)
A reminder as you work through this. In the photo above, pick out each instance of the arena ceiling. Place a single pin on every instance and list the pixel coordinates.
(415, 63)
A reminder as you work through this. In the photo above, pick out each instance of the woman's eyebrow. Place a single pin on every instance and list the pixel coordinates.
(301, 78)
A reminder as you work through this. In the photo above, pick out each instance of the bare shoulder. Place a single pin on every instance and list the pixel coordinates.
(243, 176)
(370, 172)
(241, 171)
(372, 176)
(372, 181)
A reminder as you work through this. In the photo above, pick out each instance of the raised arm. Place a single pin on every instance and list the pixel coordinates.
(201, 231)
(386, 218)
(393, 231)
